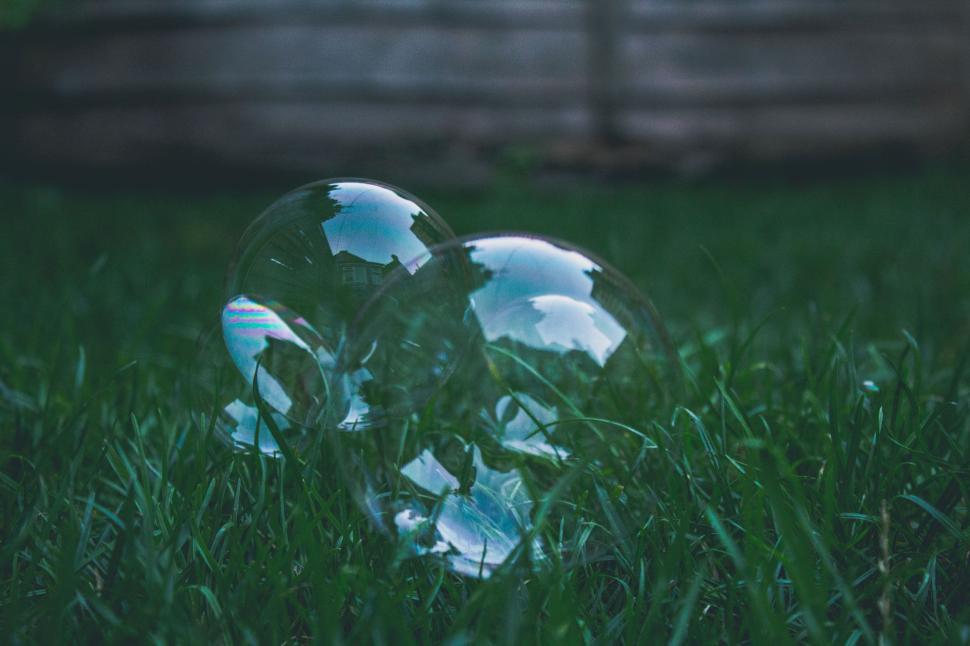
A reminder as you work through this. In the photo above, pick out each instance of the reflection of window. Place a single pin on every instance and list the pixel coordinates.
(359, 274)
(348, 275)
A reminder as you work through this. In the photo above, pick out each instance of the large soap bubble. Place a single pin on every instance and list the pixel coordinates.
(537, 373)
(300, 274)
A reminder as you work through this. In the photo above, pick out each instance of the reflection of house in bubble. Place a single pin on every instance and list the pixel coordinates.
(611, 298)
(424, 230)
(355, 272)
(358, 275)
(361, 276)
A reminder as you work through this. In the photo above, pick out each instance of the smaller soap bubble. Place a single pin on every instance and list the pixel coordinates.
(301, 271)
(323, 249)
(514, 383)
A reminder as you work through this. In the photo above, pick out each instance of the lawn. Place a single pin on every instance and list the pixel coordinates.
(812, 485)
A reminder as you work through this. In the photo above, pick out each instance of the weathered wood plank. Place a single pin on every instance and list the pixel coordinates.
(424, 64)
(282, 127)
(644, 14)
(789, 15)
(781, 130)
(502, 14)
(235, 60)
(786, 67)
(454, 146)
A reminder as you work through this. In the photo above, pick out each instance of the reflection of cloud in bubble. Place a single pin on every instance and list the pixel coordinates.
(575, 325)
(543, 296)
(481, 529)
(522, 268)
(246, 419)
(555, 322)
(247, 327)
(363, 226)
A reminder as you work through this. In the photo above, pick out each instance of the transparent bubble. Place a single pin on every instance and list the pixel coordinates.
(537, 374)
(301, 272)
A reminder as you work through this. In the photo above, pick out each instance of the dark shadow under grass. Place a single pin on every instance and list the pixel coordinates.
(811, 485)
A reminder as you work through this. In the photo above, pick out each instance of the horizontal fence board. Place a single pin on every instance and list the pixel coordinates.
(463, 66)
(783, 65)
(229, 130)
(794, 129)
(786, 15)
(258, 129)
(858, 54)
(500, 14)
(642, 14)
(225, 59)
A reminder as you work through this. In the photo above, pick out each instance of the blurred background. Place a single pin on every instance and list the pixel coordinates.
(444, 92)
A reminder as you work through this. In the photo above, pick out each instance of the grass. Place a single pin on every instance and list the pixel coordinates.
(813, 486)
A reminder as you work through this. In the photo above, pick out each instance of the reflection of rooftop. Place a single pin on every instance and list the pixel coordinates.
(608, 295)
(375, 224)
(424, 229)
(355, 272)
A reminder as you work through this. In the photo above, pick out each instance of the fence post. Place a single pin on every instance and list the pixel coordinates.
(602, 74)
(965, 95)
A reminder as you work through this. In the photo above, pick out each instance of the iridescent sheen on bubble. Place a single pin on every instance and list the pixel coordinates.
(279, 351)
(263, 349)
(537, 372)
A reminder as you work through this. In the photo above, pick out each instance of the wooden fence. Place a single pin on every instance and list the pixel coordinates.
(438, 87)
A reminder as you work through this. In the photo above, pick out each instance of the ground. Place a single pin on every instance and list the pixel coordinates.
(813, 485)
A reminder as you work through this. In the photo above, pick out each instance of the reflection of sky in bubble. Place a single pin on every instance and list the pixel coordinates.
(542, 296)
(245, 419)
(358, 408)
(480, 529)
(248, 327)
(524, 267)
(517, 428)
(372, 223)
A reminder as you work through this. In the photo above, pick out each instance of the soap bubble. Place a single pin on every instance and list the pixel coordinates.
(302, 270)
(537, 373)
(323, 249)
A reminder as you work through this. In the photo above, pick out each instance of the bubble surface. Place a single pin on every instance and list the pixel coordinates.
(301, 272)
(513, 386)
